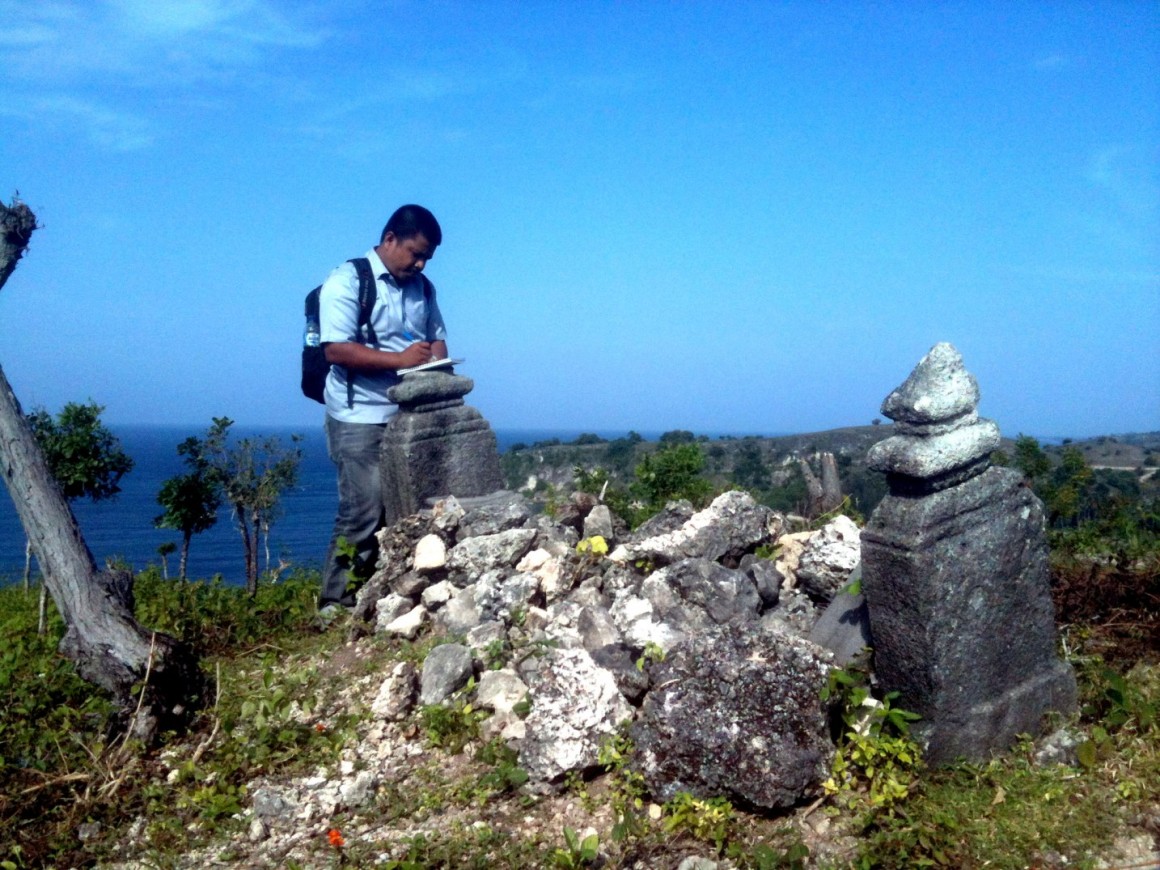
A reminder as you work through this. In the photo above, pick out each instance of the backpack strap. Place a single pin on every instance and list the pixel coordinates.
(367, 291)
(428, 289)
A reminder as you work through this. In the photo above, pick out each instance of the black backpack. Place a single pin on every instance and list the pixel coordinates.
(315, 368)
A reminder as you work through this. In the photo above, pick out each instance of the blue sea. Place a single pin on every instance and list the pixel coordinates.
(122, 527)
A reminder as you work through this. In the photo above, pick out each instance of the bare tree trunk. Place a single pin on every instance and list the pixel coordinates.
(831, 483)
(250, 543)
(102, 638)
(266, 541)
(813, 490)
(27, 564)
(185, 538)
(42, 611)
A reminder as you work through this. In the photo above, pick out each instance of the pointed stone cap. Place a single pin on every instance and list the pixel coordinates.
(939, 390)
(942, 441)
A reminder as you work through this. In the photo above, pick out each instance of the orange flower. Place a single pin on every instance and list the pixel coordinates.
(319, 727)
(335, 837)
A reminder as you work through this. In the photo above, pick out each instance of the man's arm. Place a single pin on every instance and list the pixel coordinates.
(359, 357)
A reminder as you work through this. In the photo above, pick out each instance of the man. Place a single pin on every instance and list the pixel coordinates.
(405, 329)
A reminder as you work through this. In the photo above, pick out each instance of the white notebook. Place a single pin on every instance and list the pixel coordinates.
(446, 362)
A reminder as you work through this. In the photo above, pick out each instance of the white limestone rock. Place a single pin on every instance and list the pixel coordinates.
(430, 554)
(829, 558)
(396, 696)
(575, 707)
(407, 626)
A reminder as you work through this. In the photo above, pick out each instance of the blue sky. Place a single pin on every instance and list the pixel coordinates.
(743, 217)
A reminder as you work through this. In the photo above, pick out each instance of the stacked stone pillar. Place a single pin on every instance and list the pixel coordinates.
(435, 445)
(955, 574)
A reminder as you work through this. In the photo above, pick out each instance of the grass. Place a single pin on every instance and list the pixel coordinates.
(72, 797)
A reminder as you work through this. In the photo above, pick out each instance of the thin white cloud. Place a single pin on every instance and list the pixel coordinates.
(251, 21)
(1051, 62)
(81, 66)
(143, 42)
(1119, 171)
(101, 125)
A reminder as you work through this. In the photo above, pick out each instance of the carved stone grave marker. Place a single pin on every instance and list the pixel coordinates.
(435, 445)
(955, 574)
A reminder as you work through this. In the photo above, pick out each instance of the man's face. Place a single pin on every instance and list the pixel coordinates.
(405, 258)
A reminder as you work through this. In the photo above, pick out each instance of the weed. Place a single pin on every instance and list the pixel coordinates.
(704, 819)
(653, 653)
(576, 852)
(506, 774)
(876, 763)
(452, 725)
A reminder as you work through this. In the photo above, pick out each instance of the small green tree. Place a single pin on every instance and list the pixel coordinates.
(749, 469)
(83, 456)
(165, 551)
(672, 472)
(190, 500)
(253, 474)
(1031, 459)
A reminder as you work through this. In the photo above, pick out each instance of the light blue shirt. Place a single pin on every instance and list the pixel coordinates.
(400, 317)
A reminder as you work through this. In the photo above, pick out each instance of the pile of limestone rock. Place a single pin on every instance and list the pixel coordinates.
(678, 628)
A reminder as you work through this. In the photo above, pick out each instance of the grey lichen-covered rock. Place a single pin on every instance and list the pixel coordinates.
(462, 613)
(576, 706)
(446, 669)
(475, 556)
(496, 512)
(674, 515)
(844, 627)
(599, 523)
(695, 593)
(938, 390)
(737, 715)
(427, 388)
(639, 624)
(766, 579)
(499, 596)
(942, 440)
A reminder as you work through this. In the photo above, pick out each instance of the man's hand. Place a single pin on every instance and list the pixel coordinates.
(416, 354)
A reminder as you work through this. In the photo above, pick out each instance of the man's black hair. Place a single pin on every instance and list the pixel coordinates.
(411, 220)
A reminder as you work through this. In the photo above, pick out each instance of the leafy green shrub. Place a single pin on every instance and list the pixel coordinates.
(876, 763)
(50, 713)
(219, 619)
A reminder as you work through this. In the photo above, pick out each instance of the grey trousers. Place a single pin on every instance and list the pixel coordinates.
(354, 448)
